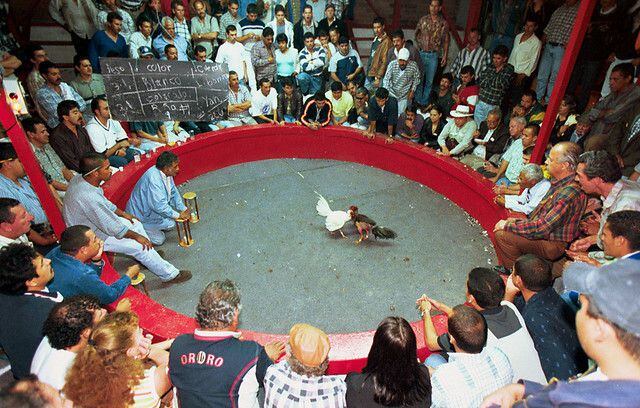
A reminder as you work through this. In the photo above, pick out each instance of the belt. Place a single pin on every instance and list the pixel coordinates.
(555, 44)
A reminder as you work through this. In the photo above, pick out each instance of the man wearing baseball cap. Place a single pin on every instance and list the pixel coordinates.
(299, 380)
(608, 325)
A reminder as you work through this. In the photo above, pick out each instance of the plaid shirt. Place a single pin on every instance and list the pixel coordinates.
(430, 35)
(182, 29)
(242, 96)
(559, 28)
(557, 217)
(479, 59)
(48, 100)
(286, 389)
(493, 84)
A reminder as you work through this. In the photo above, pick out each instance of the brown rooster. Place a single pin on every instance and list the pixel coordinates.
(366, 226)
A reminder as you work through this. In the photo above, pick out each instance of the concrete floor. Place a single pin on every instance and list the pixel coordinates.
(259, 228)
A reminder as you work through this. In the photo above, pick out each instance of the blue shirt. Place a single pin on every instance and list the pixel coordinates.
(152, 202)
(551, 323)
(101, 45)
(73, 277)
(25, 194)
(181, 45)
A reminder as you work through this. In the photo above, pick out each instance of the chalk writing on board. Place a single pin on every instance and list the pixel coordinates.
(154, 90)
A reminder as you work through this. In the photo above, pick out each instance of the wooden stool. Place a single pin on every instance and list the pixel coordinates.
(140, 279)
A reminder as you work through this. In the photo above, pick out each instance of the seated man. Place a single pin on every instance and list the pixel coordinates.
(317, 112)
(455, 138)
(512, 160)
(300, 378)
(358, 117)
(154, 134)
(467, 92)
(264, 103)
(529, 108)
(156, 201)
(87, 83)
(516, 126)
(66, 331)
(245, 361)
(443, 94)
(624, 142)
(107, 135)
(489, 140)
(409, 125)
(239, 104)
(341, 103)
(506, 328)
(15, 226)
(53, 92)
(555, 222)
(78, 264)
(25, 303)
(85, 204)
(607, 330)
(311, 64)
(620, 240)
(345, 65)
(534, 189)
(50, 163)
(169, 36)
(382, 114)
(473, 371)
(549, 319)
(70, 139)
(289, 103)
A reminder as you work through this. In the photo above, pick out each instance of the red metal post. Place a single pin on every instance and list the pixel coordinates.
(473, 17)
(32, 167)
(562, 80)
(395, 21)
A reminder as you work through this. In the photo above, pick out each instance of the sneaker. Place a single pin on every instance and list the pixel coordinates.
(183, 276)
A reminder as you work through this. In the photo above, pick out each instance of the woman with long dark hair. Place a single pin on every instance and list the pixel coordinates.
(393, 377)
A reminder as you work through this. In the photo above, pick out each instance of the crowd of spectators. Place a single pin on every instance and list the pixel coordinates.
(555, 322)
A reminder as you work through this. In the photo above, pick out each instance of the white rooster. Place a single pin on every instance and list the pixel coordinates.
(335, 220)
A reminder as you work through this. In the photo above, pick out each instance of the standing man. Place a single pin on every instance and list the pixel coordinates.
(78, 17)
(345, 65)
(263, 57)
(70, 139)
(331, 21)
(128, 27)
(556, 37)
(85, 204)
(494, 82)
(312, 59)
(142, 37)
(432, 37)
(155, 199)
(524, 56)
(204, 29)
(53, 92)
(251, 28)
(473, 54)
(304, 26)
(402, 79)
(232, 54)
(231, 17)
(108, 42)
(169, 37)
(549, 229)
(398, 42)
(377, 63)
(181, 24)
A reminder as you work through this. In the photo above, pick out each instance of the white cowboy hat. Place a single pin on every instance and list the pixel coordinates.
(462, 111)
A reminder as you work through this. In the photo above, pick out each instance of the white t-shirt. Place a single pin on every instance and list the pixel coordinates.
(233, 55)
(263, 105)
(51, 365)
(104, 137)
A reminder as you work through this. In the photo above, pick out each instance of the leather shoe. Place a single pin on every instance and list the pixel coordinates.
(183, 276)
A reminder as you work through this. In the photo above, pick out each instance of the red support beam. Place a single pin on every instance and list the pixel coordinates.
(564, 74)
(395, 20)
(473, 17)
(28, 159)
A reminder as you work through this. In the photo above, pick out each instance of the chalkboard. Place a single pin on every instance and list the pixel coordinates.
(155, 90)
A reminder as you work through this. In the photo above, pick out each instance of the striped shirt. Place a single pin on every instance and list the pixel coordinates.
(467, 378)
(285, 388)
(400, 82)
(145, 394)
(182, 29)
(557, 218)
(312, 62)
(226, 20)
(241, 96)
(479, 59)
(23, 192)
(251, 27)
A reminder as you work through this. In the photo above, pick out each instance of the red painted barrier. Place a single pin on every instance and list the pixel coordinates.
(216, 150)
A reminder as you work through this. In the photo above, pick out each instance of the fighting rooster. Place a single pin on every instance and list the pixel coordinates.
(366, 226)
(335, 220)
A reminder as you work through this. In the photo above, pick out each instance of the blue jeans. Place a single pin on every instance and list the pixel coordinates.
(434, 360)
(482, 111)
(430, 62)
(309, 84)
(504, 182)
(289, 119)
(548, 70)
(121, 161)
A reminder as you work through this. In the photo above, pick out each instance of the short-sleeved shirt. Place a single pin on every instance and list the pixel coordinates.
(24, 193)
(551, 323)
(105, 137)
(91, 89)
(344, 65)
(210, 25)
(263, 105)
(241, 96)
(233, 55)
(342, 106)
(251, 27)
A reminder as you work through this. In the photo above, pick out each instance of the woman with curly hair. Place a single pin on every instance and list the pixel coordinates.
(393, 377)
(114, 371)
